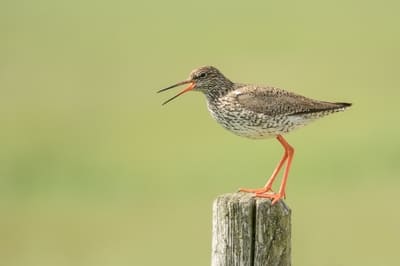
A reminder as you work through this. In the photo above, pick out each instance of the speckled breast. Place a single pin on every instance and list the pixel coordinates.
(247, 123)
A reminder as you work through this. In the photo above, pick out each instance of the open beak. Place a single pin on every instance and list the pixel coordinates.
(190, 87)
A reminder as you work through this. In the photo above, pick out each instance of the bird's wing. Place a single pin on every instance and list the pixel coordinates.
(273, 101)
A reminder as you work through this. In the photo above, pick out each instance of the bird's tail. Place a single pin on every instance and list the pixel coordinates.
(343, 105)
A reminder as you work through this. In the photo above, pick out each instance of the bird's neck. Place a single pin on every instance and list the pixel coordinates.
(217, 92)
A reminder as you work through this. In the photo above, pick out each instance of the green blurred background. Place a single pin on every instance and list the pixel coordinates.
(94, 171)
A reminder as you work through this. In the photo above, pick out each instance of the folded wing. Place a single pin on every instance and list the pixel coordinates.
(273, 101)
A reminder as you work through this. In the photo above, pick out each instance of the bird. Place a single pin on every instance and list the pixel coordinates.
(257, 112)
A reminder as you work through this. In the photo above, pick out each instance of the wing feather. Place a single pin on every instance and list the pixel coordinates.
(273, 101)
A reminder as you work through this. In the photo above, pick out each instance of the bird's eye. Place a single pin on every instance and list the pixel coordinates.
(203, 75)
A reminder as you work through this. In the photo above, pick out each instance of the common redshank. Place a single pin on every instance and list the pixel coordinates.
(257, 112)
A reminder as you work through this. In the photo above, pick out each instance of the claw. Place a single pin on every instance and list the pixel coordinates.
(256, 190)
(275, 197)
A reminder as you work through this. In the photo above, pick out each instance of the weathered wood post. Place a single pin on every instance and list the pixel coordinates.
(248, 231)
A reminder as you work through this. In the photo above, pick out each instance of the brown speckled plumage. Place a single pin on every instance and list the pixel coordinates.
(257, 112)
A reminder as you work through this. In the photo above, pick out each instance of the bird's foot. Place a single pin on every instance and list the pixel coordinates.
(256, 190)
(275, 197)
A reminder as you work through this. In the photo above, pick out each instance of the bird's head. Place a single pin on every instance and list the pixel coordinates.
(205, 79)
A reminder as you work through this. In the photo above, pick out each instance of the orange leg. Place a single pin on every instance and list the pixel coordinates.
(265, 191)
(268, 185)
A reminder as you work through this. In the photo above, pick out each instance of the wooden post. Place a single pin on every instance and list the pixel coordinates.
(248, 231)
